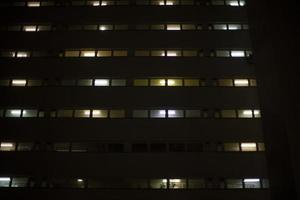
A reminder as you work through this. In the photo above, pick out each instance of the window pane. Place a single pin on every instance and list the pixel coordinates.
(234, 27)
(232, 2)
(71, 53)
(90, 27)
(44, 28)
(177, 183)
(7, 146)
(196, 183)
(188, 27)
(256, 113)
(221, 53)
(104, 53)
(158, 183)
(99, 114)
(140, 82)
(29, 28)
(4, 82)
(158, 113)
(105, 27)
(231, 147)
(174, 82)
(34, 83)
(252, 183)
(175, 113)
(19, 182)
(261, 146)
(64, 113)
(85, 82)
(190, 53)
(237, 54)
(157, 82)
(228, 113)
(117, 114)
(142, 53)
(225, 82)
(101, 82)
(82, 113)
(140, 114)
(248, 146)
(157, 53)
(79, 147)
(121, 27)
(173, 27)
(234, 183)
(93, 3)
(220, 27)
(158, 27)
(87, 54)
(241, 82)
(26, 146)
(22, 54)
(18, 82)
(245, 113)
(173, 53)
(4, 181)
(13, 113)
(118, 82)
(120, 53)
(30, 113)
(191, 82)
(192, 113)
(33, 4)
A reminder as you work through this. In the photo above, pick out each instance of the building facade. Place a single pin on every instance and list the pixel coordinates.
(150, 99)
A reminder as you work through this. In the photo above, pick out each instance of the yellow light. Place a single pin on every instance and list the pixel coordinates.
(248, 145)
(89, 54)
(171, 82)
(15, 112)
(175, 180)
(241, 82)
(79, 180)
(161, 3)
(256, 112)
(171, 54)
(87, 112)
(33, 4)
(96, 112)
(30, 28)
(7, 144)
(247, 112)
(19, 82)
(251, 180)
(96, 3)
(102, 28)
(103, 3)
(22, 55)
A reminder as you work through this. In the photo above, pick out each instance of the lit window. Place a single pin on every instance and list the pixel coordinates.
(72, 53)
(173, 27)
(157, 53)
(44, 28)
(222, 53)
(191, 82)
(252, 183)
(93, 3)
(13, 113)
(158, 113)
(231, 147)
(158, 183)
(237, 54)
(30, 28)
(174, 82)
(120, 53)
(104, 53)
(256, 113)
(99, 114)
(245, 114)
(157, 27)
(188, 27)
(225, 82)
(242, 2)
(234, 27)
(175, 113)
(101, 82)
(234, 183)
(140, 82)
(261, 146)
(105, 27)
(82, 113)
(220, 27)
(253, 82)
(173, 53)
(157, 82)
(232, 2)
(7, 146)
(24, 146)
(33, 4)
(248, 146)
(241, 82)
(228, 113)
(172, 2)
(4, 181)
(117, 114)
(18, 82)
(29, 113)
(177, 183)
(107, 3)
(85, 82)
(19, 182)
(22, 54)
(87, 54)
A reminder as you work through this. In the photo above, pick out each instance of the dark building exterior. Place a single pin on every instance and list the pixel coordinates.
(130, 99)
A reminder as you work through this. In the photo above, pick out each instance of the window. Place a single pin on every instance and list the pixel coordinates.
(257, 113)
(104, 53)
(64, 113)
(25, 146)
(228, 114)
(158, 183)
(194, 147)
(142, 53)
(225, 82)
(157, 27)
(7, 146)
(85, 82)
(140, 114)
(120, 53)
(261, 146)
(18, 82)
(173, 53)
(62, 147)
(188, 27)
(140, 82)
(117, 114)
(4, 181)
(234, 183)
(222, 53)
(30, 113)
(177, 183)
(13, 113)
(101, 82)
(174, 82)
(72, 53)
(158, 113)
(79, 147)
(19, 182)
(196, 183)
(234, 27)
(105, 27)
(34, 83)
(22, 54)
(191, 82)
(121, 27)
(241, 82)
(157, 53)
(252, 183)
(93, 3)
(192, 113)
(99, 113)
(175, 113)
(245, 113)
(237, 54)
(44, 28)
(87, 54)
(189, 53)
(118, 82)
(31, 28)
(248, 146)
(231, 147)
(139, 148)
(33, 4)
(82, 113)
(173, 27)
(157, 82)
(220, 27)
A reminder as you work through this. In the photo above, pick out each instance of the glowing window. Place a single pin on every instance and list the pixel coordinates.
(44, 28)
(87, 54)
(18, 82)
(158, 53)
(231, 147)
(234, 27)
(242, 2)
(237, 54)
(220, 27)
(33, 4)
(234, 183)
(30, 113)
(105, 27)
(174, 82)
(191, 82)
(173, 53)
(25, 146)
(157, 27)
(177, 183)
(19, 182)
(248, 146)
(175, 113)
(85, 82)
(99, 114)
(120, 53)
(23, 54)
(241, 82)
(140, 82)
(72, 53)
(93, 3)
(222, 53)
(104, 53)
(232, 2)
(29, 28)
(256, 113)
(253, 82)
(158, 183)
(4, 181)
(157, 82)
(173, 27)
(252, 183)
(158, 113)
(245, 113)
(117, 114)
(101, 82)
(228, 113)
(7, 146)
(107, 3)
(13, 113)
(82, 113)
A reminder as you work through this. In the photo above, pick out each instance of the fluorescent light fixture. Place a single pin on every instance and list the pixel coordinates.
(30, 28)
(6, 144)
(241, 82)
(251, 180)
(101, 82)
(18, 82)
(171, 112)
(79, 180)
(162, 112)
(171, 54)
(22, 54)
(248, 145)
(237, 54)
(247, 112)
(34, 4)
(4, 179)
(88, 54)
(15, 112)
(102, 28)
(175, 180)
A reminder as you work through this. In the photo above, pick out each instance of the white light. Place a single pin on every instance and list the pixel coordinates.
(247, 112)
(161, 3)
(164, 180)
(234, 3)
(175, 180)
(241, 82)
(34, 4)
(233, 27)
(237, 53)
(101, 82)
(19, 82)
(251, 180)
(7, 145)
(256, 112)
(102, 28)
(162, 112)
(89, 54)
(248, 145)
(103, 3)
(171, 82)
(169, 3)
(22, 55)
(171, 54)
(15, 112)
(173, 27)
(96, 112)
(162, 82)
(79, 180)
(30, 28)
(96, 3)
(4, 179)
(87, 112)
(171, 112)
